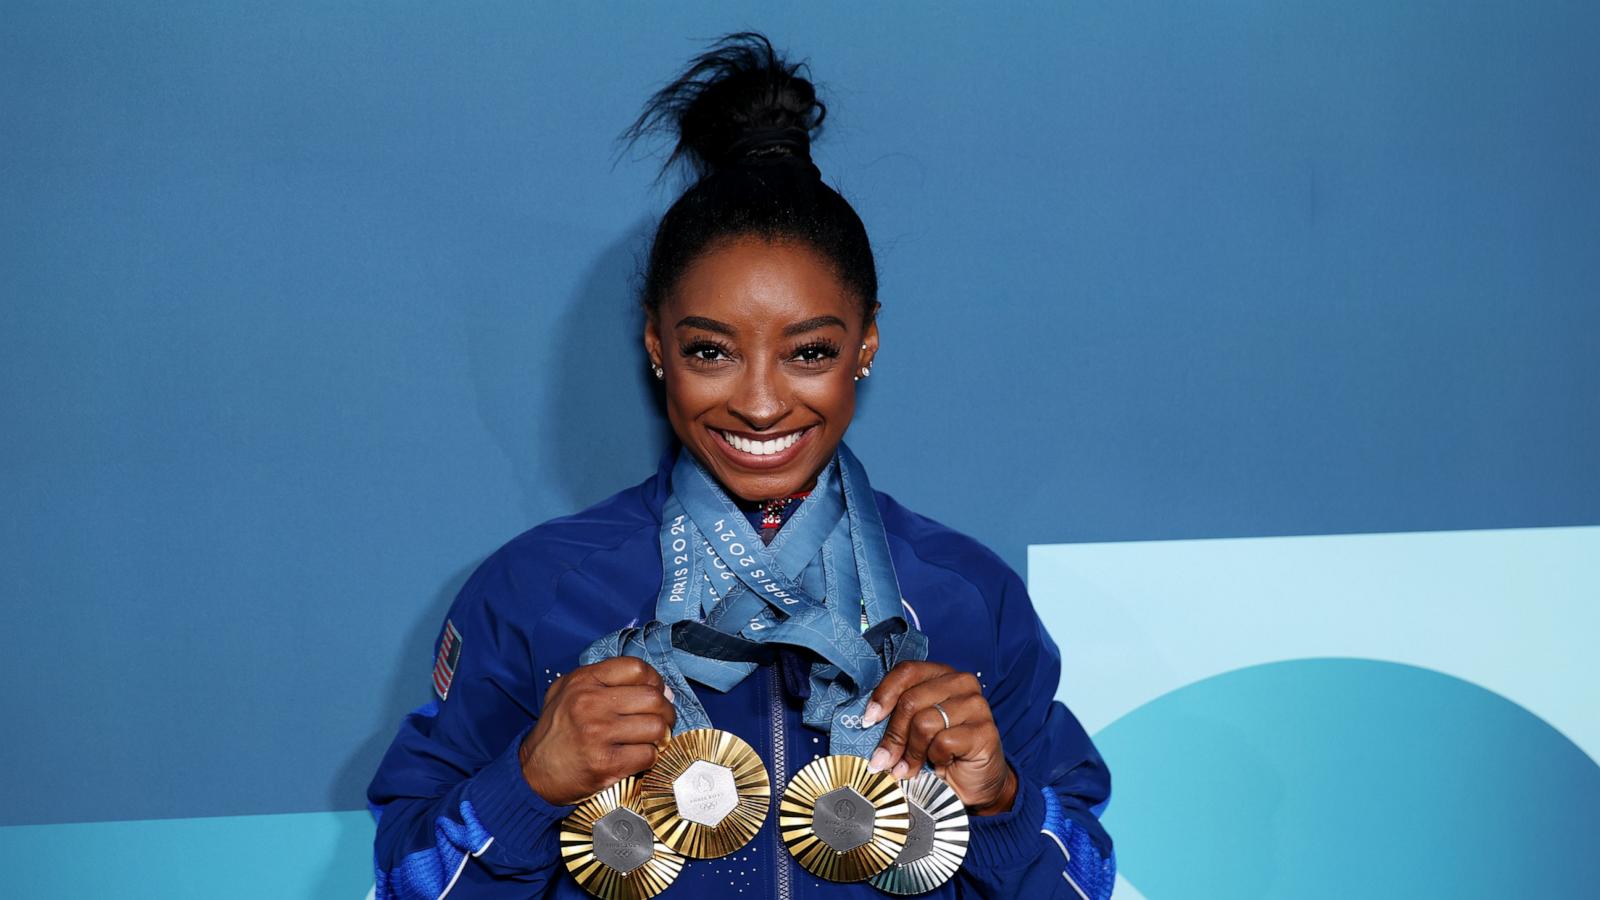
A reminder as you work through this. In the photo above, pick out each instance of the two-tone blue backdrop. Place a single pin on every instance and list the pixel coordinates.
(305, 308)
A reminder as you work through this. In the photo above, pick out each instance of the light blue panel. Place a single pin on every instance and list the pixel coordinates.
(1515, 611)
(1456, 759)
(311, 856)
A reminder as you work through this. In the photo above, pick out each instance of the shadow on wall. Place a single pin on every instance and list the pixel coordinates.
(603, 430)
(609, 427)
(597, 427)
(408, 687)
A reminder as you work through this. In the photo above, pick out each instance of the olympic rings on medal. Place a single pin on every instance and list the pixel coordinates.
(850, 721)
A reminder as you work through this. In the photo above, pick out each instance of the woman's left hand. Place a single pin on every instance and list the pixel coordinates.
(966, 753)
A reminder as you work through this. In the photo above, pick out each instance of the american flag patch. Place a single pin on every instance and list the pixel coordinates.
(444, 664)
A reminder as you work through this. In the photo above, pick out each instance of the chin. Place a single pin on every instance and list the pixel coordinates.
(755, 486)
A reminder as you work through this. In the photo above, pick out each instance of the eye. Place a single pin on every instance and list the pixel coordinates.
(705, 352)
(816, 352)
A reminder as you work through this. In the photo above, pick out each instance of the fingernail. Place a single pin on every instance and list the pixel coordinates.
(880, 760)
(871, 715)
(900, 769)
(668, 691)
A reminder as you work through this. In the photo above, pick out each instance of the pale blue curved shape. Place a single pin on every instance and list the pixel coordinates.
(1513, 610)
(1349, 778)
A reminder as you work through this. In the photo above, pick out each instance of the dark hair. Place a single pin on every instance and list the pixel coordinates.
(744, 120)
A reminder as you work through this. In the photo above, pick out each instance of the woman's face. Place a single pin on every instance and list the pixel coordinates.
(760, 342)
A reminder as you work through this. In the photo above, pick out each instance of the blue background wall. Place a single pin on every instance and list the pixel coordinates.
(305, 308)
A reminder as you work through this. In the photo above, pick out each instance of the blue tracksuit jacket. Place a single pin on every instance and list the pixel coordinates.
(456, 817)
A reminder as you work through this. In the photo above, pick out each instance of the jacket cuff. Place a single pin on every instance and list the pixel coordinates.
(511, 811)
(1011, 837)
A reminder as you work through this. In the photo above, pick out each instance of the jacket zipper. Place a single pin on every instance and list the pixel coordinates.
(780, 778)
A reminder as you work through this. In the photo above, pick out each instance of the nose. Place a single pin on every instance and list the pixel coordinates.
(758, 397)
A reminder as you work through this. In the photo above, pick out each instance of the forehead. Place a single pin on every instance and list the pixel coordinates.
(754, 285)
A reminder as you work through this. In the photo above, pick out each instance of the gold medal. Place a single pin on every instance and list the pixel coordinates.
(707, 794)
(609, 847)
(842, 822)
(937, 842)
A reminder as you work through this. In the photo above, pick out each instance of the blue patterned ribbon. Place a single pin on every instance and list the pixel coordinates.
(825, 585)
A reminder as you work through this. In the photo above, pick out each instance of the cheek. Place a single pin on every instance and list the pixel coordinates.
(691, 396)
(833, 397)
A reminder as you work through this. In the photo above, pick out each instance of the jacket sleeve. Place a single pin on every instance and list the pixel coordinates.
(1050, 843)
(455, 816)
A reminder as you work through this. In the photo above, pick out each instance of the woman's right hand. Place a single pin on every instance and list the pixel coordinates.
(601, 723)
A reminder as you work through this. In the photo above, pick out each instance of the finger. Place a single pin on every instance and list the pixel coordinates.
(620, 670)
(910, 703)
(962, 708)
(598, 709)
(901, 678)
(925, 725)
(630, 699)
(621, 760)
(960, 742)
(648, 728)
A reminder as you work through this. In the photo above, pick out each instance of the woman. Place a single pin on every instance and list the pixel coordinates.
(761, 302)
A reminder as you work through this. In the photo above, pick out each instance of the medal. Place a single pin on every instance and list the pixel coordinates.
(842, 822)
(937, 842)
(707, 794)
(611, 851)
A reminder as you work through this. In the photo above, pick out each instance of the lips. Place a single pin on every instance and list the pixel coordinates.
(762, 447)
(761, 451)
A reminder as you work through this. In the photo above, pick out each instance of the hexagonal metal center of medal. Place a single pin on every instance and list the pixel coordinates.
(623, 840)
(843, 819)
(919, 840)
(705, 793)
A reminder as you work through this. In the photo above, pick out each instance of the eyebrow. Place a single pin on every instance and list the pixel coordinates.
(811, 324)
(706, 324)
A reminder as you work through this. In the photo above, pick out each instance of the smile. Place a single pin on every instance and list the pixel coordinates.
(761, 453)
(762, 448)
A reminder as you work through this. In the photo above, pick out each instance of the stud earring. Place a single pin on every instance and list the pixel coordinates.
(660, 373)
(865, 370)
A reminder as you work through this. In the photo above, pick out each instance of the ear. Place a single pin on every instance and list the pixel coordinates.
(869, 338)
(652, 338)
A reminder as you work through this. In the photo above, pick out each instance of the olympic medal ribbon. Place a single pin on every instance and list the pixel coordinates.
(651, 642)
(838, 525)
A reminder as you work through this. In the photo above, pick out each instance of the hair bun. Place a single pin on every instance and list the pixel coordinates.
(738, 103)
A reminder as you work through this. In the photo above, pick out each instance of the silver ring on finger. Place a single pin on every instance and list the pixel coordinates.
(943, 715)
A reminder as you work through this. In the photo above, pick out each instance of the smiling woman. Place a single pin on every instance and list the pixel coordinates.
(765, 346)
(784, 604)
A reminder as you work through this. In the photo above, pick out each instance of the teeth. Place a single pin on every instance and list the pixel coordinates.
(762, 448)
